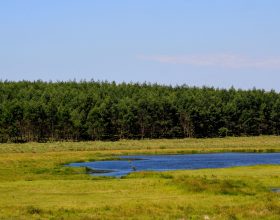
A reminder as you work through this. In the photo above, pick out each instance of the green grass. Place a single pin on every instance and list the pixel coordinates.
(34, 184)
(241, 144)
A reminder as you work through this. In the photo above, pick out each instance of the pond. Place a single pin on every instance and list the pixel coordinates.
(127, 164)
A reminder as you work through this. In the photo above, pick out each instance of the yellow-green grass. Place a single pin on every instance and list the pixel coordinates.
(35, 184)
(250, 144)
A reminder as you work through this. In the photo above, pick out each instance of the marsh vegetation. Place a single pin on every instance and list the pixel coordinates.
(35, 184)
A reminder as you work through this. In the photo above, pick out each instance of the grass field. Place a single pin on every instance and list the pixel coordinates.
(34, 184)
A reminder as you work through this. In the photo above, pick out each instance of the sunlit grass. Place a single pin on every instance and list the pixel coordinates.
(35, 184)
(260, 143)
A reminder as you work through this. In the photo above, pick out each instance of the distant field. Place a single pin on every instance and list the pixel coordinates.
(188, 145)
(34, 184)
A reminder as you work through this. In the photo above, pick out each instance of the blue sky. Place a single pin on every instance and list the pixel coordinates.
(218, 43)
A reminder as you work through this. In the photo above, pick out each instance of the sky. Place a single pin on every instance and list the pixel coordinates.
(217, 43)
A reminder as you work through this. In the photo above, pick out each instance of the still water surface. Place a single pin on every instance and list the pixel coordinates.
(128, 164)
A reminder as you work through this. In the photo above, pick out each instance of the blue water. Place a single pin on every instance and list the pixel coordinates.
(128, 164)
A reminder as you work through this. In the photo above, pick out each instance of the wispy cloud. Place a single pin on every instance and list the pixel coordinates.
(219, 60)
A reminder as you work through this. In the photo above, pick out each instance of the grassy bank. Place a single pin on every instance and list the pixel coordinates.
(34, 184)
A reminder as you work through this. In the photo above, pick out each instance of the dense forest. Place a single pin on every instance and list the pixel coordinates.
(51, 111)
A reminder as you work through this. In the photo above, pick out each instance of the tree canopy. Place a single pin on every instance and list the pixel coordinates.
(49, 111)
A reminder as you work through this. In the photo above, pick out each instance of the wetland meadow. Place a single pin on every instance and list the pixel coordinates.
(35, 182)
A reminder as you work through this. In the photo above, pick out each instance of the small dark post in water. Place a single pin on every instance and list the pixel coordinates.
(132, 167)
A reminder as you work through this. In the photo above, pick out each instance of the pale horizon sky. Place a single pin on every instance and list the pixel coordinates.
(219, 43)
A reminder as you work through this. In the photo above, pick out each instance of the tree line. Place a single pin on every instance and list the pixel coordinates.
(55, 111)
